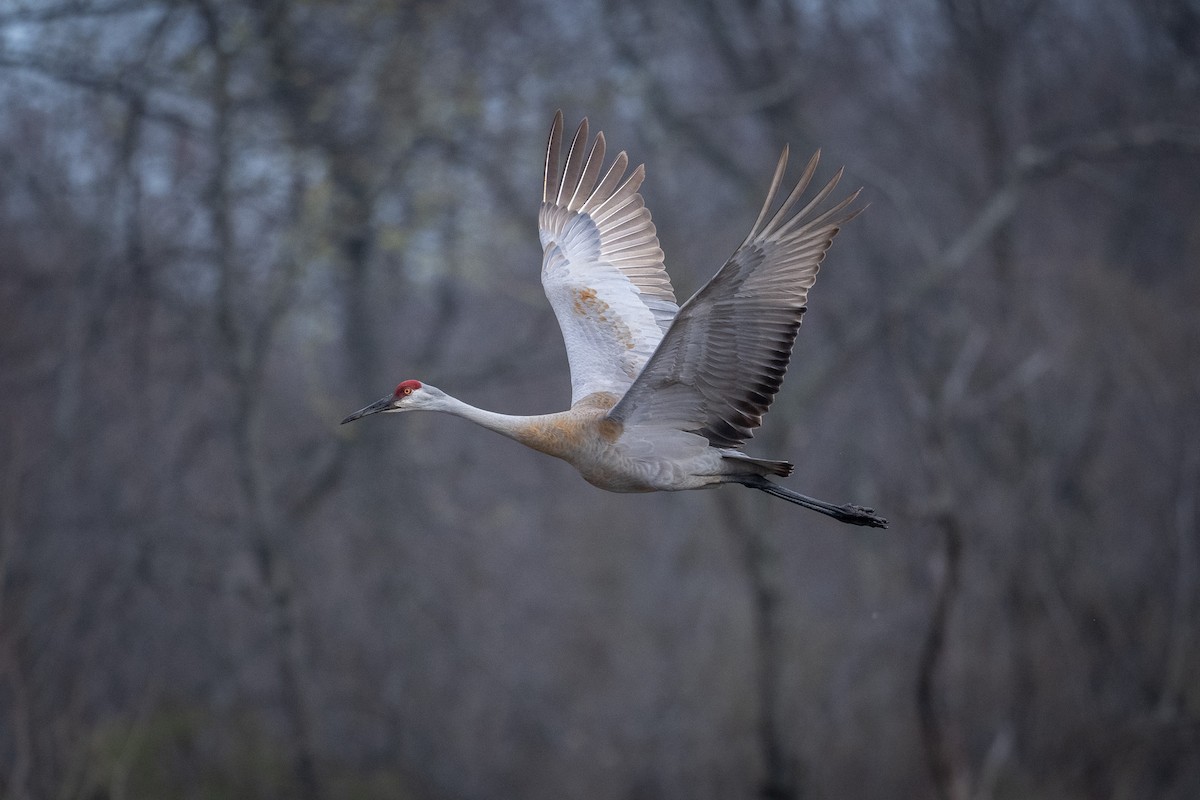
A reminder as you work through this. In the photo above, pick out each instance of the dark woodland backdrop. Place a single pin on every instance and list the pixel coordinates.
(225, 224)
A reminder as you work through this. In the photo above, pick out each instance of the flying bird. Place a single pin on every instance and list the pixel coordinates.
(663, 396)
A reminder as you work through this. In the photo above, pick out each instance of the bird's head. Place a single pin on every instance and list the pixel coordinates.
(408, 396)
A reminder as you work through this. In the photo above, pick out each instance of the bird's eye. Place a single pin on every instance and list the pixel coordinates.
(408, 390)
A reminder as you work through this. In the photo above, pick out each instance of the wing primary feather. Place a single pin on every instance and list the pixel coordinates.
(574, 167)
(608, 185)
(591, 170)
(801, 185)
(621, 215)
(814, 224)
(550, 181)
(621, 197)
(779, 170)
(821, 195)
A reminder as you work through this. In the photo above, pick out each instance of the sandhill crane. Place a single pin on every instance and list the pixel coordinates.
(662, 396)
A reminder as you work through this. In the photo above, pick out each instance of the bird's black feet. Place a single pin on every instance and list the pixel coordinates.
(859, 515)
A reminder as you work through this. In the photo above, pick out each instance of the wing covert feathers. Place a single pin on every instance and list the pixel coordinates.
(723, 359)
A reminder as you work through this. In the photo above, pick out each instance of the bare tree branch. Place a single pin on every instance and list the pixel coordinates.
(1032, 164)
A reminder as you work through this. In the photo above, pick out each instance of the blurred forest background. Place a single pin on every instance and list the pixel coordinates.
(225, 224)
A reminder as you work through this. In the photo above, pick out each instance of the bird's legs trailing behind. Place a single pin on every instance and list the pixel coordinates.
(852, 514)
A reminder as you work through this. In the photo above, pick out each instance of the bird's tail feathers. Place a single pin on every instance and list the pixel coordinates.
(766, 465)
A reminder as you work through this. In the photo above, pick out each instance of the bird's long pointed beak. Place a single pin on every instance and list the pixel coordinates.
(382, 404)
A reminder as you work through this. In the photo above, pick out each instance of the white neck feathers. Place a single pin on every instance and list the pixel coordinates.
(505, 424)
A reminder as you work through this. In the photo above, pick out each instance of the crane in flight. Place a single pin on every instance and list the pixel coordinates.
(663, 396)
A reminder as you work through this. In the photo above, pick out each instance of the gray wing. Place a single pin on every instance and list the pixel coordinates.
(602, 268)
(720, 364)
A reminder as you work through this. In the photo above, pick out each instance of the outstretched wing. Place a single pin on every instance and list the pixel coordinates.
(723, 359)
(602, 268)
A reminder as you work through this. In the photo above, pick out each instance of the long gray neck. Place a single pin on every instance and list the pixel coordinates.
(505, 424)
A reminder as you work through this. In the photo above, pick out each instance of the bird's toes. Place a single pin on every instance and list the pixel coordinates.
(862, 515)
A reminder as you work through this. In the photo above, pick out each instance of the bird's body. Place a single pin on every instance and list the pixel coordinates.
(663, 395)
(643, 459)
